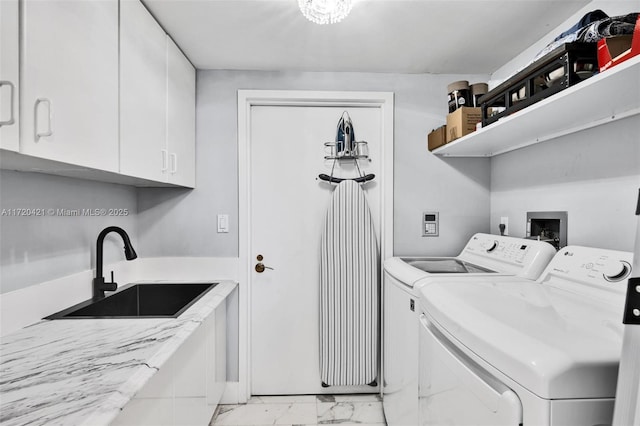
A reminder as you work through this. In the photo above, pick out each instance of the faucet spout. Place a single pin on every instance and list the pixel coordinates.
(99, 285)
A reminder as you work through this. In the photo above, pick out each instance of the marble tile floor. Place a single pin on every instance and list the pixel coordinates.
(303, 410)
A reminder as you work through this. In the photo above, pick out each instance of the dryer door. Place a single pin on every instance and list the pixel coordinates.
(453, 389)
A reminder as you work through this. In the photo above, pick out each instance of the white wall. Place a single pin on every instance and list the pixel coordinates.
(594, 175)
(178, 222)
(34, 249)
(182, 223)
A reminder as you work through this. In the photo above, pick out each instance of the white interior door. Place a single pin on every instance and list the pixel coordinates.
(287, 208)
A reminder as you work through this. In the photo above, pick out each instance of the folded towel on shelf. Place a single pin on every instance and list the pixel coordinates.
(593, 27)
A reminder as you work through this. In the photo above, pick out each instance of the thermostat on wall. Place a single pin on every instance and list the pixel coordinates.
(430, 224)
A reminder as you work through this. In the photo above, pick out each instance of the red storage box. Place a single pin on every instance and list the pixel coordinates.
(615, 50)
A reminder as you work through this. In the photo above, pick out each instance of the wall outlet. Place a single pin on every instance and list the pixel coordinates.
(504, 220)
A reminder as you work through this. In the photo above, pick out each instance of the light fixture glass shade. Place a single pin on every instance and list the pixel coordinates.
(325, 11)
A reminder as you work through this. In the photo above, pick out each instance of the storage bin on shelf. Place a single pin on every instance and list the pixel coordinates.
(561, 68)
(437, 137)
(617, 49)
(461, 122)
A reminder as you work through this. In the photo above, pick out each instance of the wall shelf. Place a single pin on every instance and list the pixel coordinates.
(606, 97)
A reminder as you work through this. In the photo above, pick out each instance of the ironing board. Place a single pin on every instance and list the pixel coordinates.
(349, 291)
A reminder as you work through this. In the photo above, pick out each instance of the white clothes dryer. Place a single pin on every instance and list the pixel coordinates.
(483, 255)
(517, 352)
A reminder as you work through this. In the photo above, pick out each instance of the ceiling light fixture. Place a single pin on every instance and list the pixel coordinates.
(325, 11)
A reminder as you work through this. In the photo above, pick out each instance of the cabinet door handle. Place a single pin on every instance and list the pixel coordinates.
(11, 119)
(165, 160)
(49, 131)
(174, 163)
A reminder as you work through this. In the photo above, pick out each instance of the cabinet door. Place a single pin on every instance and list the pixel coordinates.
(9, 43)
(181, 117)
(143, 94)
(188, 386)
(69, 99)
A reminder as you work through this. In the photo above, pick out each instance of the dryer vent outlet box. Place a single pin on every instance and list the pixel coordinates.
(548, 226)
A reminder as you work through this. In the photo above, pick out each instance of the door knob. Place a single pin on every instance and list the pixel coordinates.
(260, 267)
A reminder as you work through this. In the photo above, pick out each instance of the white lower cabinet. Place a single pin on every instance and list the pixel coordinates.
(188, 387)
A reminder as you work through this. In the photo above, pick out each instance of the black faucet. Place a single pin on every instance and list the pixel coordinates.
(99, 286)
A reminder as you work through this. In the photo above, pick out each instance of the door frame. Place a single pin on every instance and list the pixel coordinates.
(249, 98)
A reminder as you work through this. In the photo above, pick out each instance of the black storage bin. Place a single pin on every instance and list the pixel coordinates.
(561, 68)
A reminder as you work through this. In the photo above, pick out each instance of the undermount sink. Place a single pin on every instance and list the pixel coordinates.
(151, 300)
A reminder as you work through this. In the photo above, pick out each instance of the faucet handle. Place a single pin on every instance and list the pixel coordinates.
(100, 286)
(112, 286)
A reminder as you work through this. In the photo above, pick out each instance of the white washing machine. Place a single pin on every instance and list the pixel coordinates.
(483, 255)
(518, 352)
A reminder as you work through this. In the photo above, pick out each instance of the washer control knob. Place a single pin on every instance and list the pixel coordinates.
(616, 271)
(493, 246)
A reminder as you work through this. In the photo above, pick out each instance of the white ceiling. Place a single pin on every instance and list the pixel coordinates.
(405, 36)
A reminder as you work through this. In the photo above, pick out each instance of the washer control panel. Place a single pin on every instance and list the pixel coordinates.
(430, 224)
(512, 250)
(589, 265)
(517, 256)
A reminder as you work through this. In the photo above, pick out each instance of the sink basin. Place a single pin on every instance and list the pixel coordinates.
(139, 301)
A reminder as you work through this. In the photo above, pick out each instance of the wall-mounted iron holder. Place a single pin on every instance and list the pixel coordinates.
(347, 155)
(358, 152)
(345, 147)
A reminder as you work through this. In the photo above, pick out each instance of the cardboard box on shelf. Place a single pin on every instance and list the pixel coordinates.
(462, 122)
(617, 49)
(437, 138)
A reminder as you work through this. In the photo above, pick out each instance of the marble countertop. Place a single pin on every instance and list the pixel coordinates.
(84, 371)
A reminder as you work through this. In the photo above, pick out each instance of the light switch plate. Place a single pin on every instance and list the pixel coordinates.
(223, 223)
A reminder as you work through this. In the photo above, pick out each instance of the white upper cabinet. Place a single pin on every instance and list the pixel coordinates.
(69, 82)
(181, 117)
(9, 72)
(102, 88)
(157, 101)
(143, 94)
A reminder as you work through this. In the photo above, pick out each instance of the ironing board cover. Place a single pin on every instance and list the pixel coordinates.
(349, 291)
